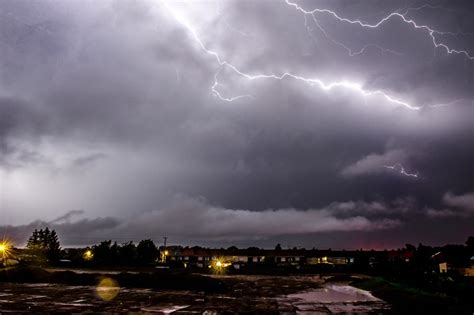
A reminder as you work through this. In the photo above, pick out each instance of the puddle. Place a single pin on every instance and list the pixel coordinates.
(336, 293)
(164, 309)
(333, 298)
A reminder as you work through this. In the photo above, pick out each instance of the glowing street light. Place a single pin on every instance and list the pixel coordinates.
(88, 255)
(219, 265)
(5, 248)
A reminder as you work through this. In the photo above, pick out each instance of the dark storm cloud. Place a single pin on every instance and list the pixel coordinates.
(197, 219)
(107, 106)
(79, 232)
(67, 216)
(458, 206)
(88, 159)
(374, 163)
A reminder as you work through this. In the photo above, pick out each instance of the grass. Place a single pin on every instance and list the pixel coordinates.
(405, 299)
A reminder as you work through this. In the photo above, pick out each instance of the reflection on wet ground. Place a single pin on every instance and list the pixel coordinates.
(333, 299)
(250, 294)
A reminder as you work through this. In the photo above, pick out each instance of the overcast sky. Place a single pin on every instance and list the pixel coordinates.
(340, 124)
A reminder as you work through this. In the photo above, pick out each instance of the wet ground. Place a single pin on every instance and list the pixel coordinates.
(247, 294)
(333, 299)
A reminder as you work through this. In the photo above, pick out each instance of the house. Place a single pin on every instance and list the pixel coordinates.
(317, 257)
(468, 271)
(443, 267)
(204, 257)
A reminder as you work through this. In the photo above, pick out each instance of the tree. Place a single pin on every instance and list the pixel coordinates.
(127, 253)
(410, 247)
(44, 245)
(278, 246)
(105, 252)
(33, 241)
(53, 248)
(147, 252)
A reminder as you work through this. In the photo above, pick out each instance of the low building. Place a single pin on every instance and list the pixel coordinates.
(330, 257)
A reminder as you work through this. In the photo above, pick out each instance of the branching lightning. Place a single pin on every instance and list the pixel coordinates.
(354, 86)
(216, 92)
(326, 86)
(431, 32)
(349, 50)
(399, 168)
(435, 7)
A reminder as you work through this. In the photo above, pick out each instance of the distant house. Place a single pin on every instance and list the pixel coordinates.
(330, 257)
(204, 257)
(469, 271)
(400, 255)
(443, 267)
(448, 262)
(440, 260)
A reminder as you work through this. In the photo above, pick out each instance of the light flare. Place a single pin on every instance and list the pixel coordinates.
(5, 250)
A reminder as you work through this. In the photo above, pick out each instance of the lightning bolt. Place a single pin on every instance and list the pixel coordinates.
(399, 167)
(338, 43)
(431, 32)
(435, 7)
(216, 92)
(421, 7)
(354, 86)
(432, 7)
(326, 86)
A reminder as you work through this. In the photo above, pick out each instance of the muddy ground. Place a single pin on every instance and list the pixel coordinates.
(246, 294)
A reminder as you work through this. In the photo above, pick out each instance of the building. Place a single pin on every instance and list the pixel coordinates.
(204, 257)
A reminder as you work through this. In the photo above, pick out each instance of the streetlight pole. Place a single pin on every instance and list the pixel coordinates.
(165, 251)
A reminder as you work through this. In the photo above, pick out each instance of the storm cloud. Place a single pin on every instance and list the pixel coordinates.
(118, 107)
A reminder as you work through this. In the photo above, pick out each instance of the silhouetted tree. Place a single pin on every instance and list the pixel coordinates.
(53, 250)
(410, 247)
(44, 244)
(278, 246)
(33, 241)
(104, 252)
(128, 253)
(147, 252)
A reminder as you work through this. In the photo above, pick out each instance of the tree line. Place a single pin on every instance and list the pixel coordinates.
(43, 247)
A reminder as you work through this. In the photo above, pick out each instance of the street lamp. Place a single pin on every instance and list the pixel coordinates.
(163, 255)
(4, 251)
(88, 254)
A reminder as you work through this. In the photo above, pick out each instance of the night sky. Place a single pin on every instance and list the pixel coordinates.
(341, 124)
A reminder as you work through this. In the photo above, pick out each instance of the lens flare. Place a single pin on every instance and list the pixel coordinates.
(5, 250)
(107, 289)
